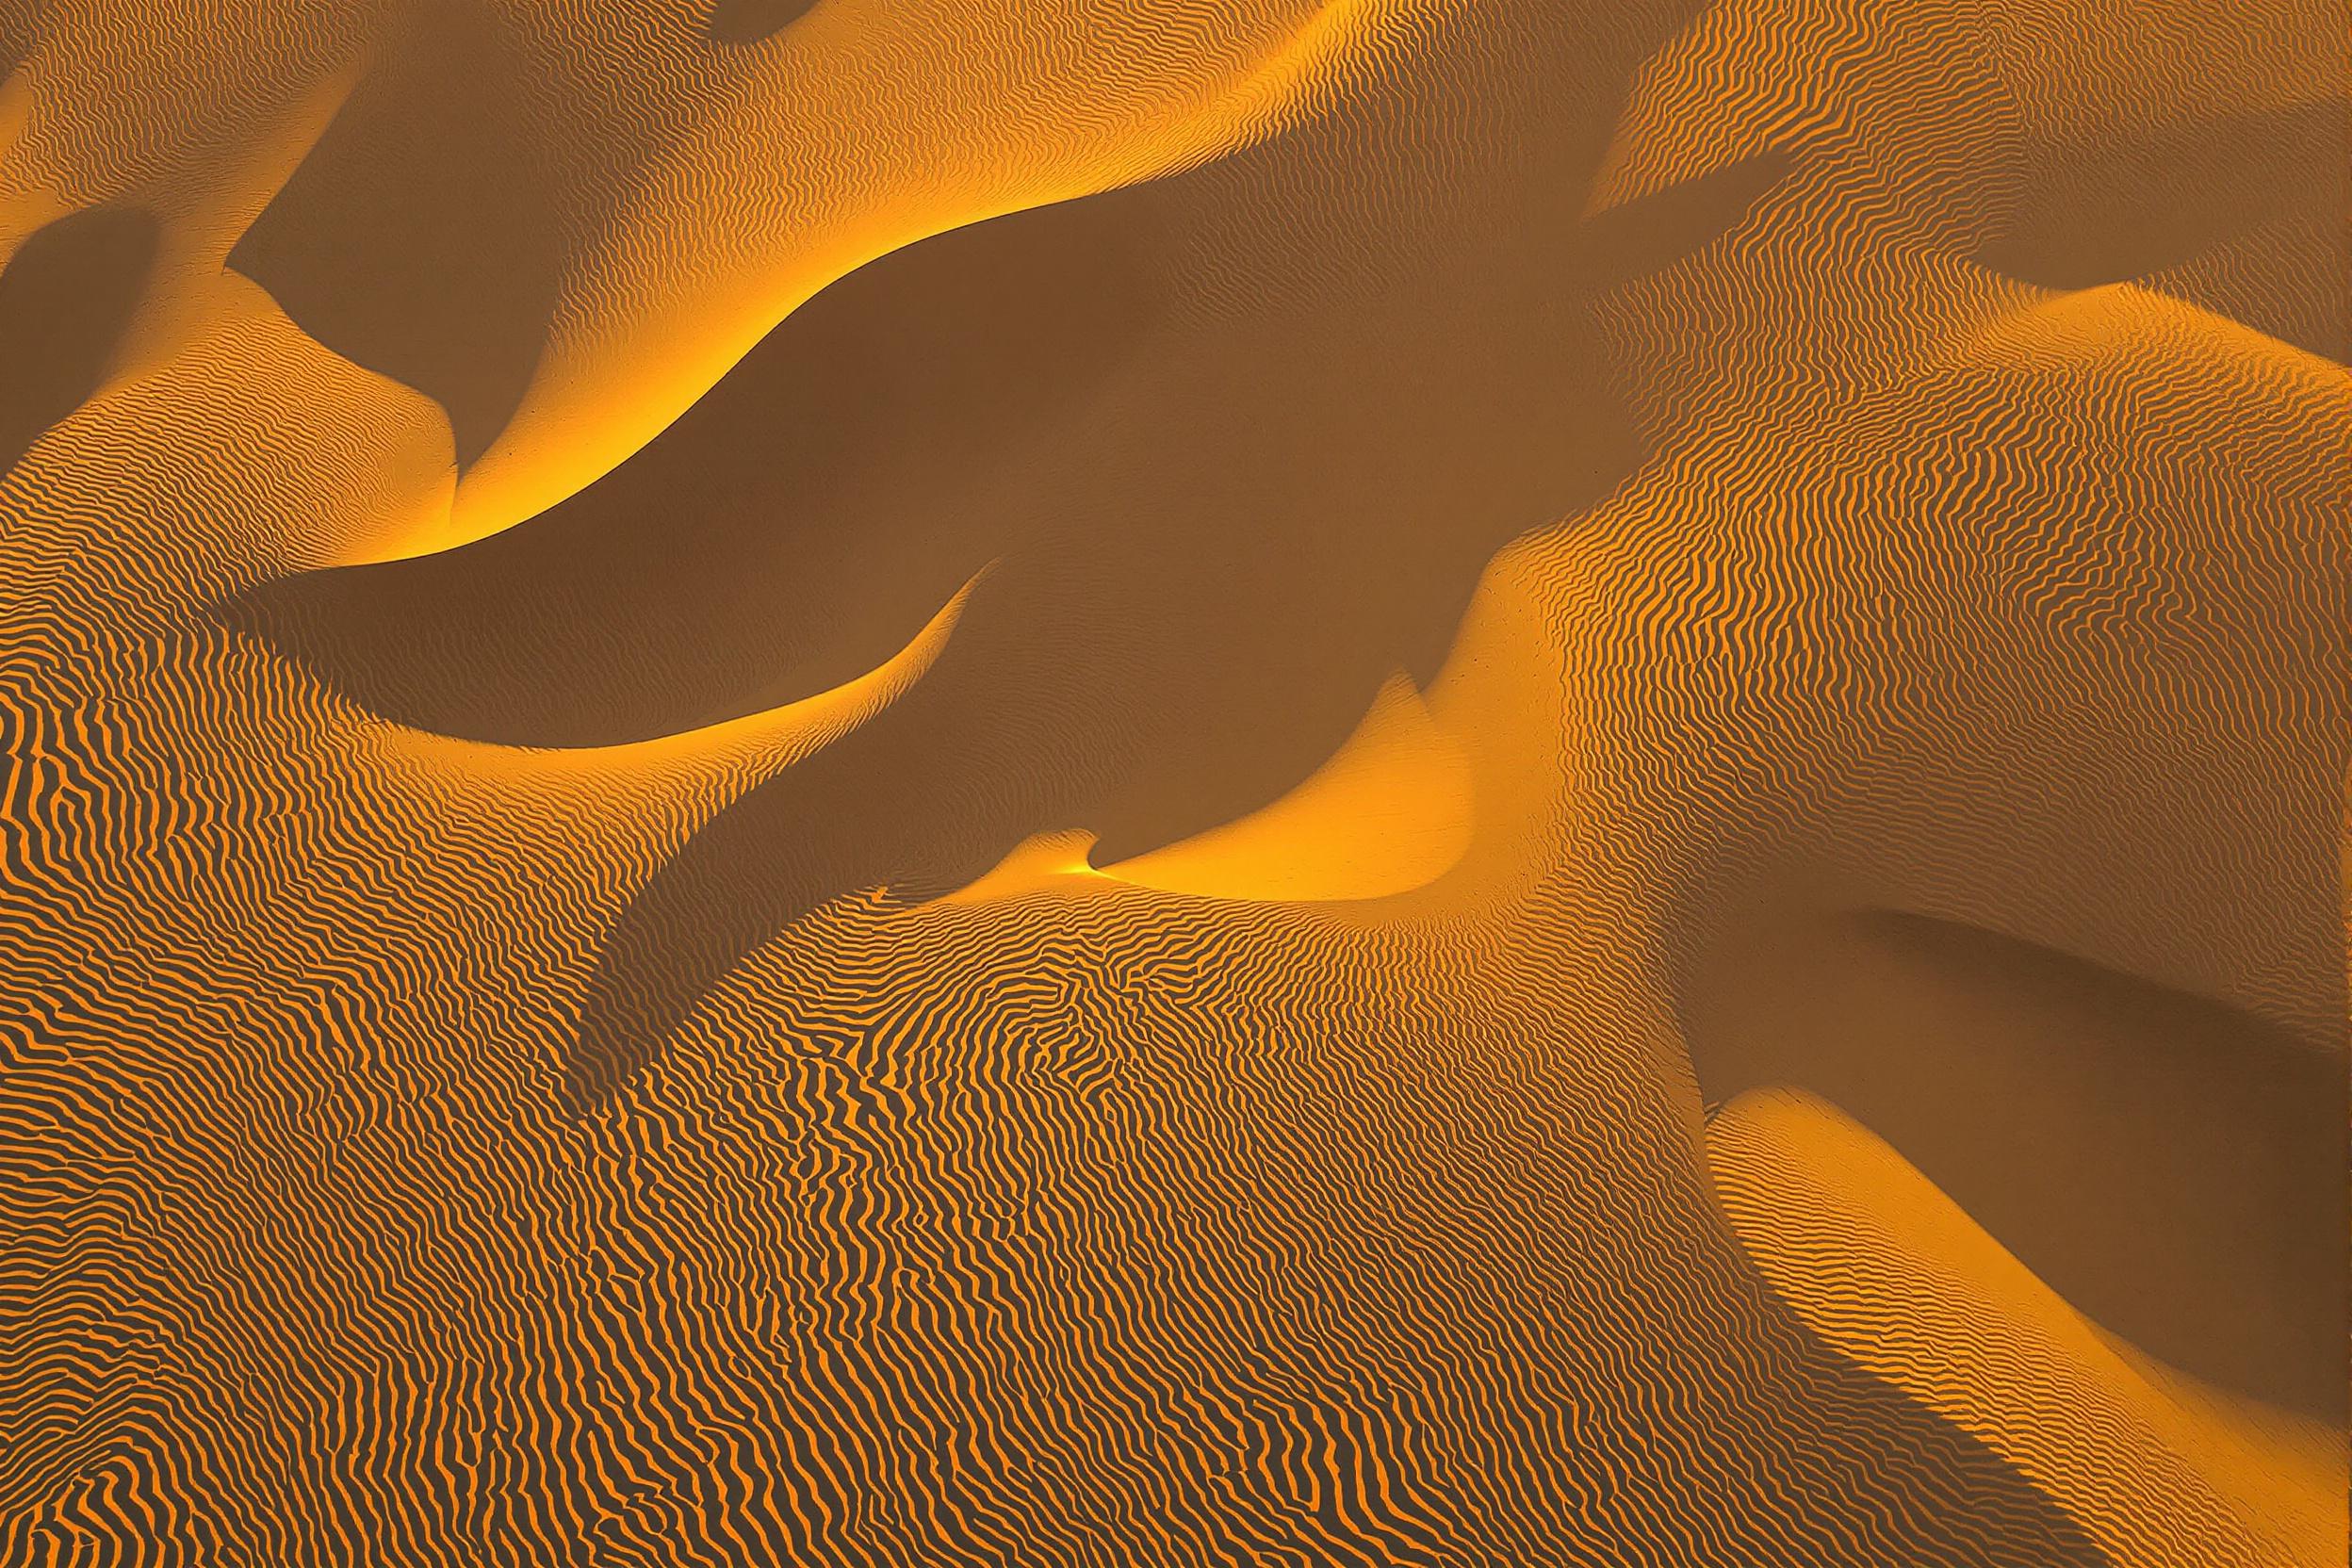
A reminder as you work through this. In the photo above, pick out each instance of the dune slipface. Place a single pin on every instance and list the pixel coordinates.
(1173, 781)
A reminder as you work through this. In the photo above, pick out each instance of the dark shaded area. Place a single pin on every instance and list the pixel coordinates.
(416, 240)
(1375, 370)
(792, 529)
(65, 299)
(750, 20)
(1656, 230)
(1907, 1451)
(2172, 1165)
(2105, 211)
(1239, 442)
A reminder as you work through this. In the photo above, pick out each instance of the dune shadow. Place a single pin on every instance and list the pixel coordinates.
(417, 238)
(2171, 1165)
(65, 299)
(1240, 442)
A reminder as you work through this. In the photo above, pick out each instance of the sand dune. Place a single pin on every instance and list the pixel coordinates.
(1084, 782)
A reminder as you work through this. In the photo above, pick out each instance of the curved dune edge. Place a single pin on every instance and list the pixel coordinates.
(714, 762)
(1055, 863)
(187, 369)
(1878, 1261)
(598, 396)
(1437, 795)
(2127, 327)
(1389, 813)
(1440, 803)
(1753, 75)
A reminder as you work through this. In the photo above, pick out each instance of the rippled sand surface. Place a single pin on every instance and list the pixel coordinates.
(1173, 781)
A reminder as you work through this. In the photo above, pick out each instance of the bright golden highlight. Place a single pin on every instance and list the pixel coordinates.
(1211, 782)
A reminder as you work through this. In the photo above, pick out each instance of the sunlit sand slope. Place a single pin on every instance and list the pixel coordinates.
(1102, 781)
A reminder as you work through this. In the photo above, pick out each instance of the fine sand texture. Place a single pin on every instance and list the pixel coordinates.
(1194, 782)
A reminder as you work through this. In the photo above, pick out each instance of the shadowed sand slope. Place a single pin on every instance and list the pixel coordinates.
(1128, 781)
